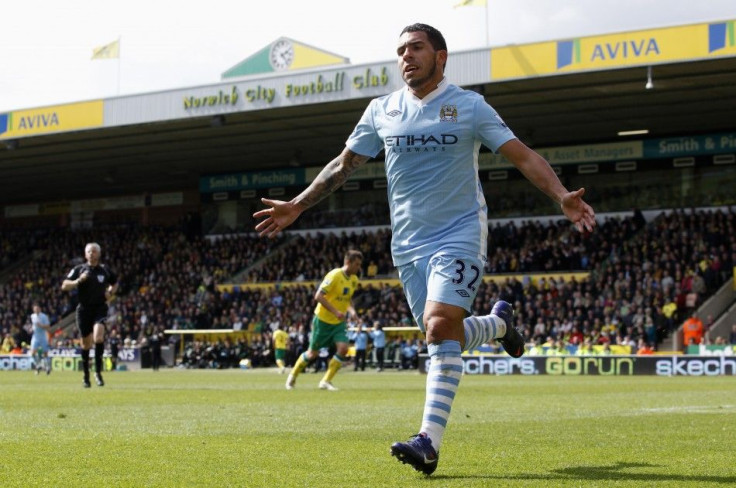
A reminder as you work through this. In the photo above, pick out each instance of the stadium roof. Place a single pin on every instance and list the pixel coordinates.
(170, 153)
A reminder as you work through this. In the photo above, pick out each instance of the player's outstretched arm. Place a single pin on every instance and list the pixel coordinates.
(279, 214)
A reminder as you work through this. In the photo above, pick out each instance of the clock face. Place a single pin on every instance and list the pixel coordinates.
(282, 54)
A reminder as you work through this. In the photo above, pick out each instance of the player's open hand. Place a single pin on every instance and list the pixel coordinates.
(278, 216)
(580, 213)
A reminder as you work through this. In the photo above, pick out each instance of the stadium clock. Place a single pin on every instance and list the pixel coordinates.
(282, 54)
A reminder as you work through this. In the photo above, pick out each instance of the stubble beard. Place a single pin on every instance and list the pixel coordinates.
(419, 82)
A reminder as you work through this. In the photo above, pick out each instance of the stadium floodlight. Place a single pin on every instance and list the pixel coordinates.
(649, 84)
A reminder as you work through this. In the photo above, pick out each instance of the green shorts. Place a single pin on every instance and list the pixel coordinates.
(280, 353)
(325, 335)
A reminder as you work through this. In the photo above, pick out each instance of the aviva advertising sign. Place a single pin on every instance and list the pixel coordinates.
(58, 118)
(670, 44)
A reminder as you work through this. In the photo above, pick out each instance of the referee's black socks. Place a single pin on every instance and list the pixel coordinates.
(99, 351)
(85, 363)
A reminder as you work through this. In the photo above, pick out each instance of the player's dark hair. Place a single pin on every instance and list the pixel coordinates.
(352, 254)
(435, 37)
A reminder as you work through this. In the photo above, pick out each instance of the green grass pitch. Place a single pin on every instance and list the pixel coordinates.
(184, 428)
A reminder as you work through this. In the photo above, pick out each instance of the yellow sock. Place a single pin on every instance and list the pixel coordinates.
(301, 363)
(335, 364)
(280, 363)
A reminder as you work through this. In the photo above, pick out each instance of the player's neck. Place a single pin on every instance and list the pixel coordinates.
(427, 88)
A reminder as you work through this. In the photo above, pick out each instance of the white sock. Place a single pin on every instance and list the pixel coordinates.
(443, 378)
(481, 329)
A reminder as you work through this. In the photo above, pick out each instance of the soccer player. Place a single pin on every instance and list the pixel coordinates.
(96, 284)
(431, 132)
(40, 340)
(280, 341)
(333, 298)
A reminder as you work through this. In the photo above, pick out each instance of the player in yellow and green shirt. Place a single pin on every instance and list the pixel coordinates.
(280, 339)
(328, 325)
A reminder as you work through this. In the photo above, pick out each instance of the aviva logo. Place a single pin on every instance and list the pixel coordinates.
(611, 51)
(721, 35)
(568, 53)
(6, 123)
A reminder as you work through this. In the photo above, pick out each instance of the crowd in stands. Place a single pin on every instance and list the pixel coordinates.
(644, 280)
(164, 277)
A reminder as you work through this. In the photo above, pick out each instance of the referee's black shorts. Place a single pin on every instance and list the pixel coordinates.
(87, 317)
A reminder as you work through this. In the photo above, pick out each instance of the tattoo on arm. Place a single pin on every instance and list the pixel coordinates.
(331, 178)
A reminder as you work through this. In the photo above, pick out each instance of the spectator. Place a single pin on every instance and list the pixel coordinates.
(643, 348)
(155, 340)
(379, 343)
(114, 343)
(536, 349)
(692, 330)
(409, 351)
(586, 349)
(360, 339)
(7, 345)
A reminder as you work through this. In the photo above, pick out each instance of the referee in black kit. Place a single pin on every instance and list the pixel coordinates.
(96, 284)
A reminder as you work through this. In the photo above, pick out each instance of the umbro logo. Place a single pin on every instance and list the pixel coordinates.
(462, 293)
(394, 113)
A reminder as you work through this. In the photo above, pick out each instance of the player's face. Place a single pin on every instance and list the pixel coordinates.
(354, 266)
(419, 63)
(92, 254)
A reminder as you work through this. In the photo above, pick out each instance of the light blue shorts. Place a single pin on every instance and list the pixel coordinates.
(443, 278)
(36, 344)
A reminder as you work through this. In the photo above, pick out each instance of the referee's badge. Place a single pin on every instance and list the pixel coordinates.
(448, 113)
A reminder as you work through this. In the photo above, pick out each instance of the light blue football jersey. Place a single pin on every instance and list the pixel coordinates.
(431, 146)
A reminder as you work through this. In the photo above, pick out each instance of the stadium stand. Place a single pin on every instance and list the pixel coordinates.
(168, 279)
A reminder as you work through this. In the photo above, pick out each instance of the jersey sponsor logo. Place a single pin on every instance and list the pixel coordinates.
(448, 113)
(422, 143)
(394, 113)
(421, 140)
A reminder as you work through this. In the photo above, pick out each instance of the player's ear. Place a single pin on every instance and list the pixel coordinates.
(442, 58)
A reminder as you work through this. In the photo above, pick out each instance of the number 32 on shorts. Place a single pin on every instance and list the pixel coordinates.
(465, 275)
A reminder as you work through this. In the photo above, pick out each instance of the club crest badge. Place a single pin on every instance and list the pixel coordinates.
(448, 113)
(100, 278)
